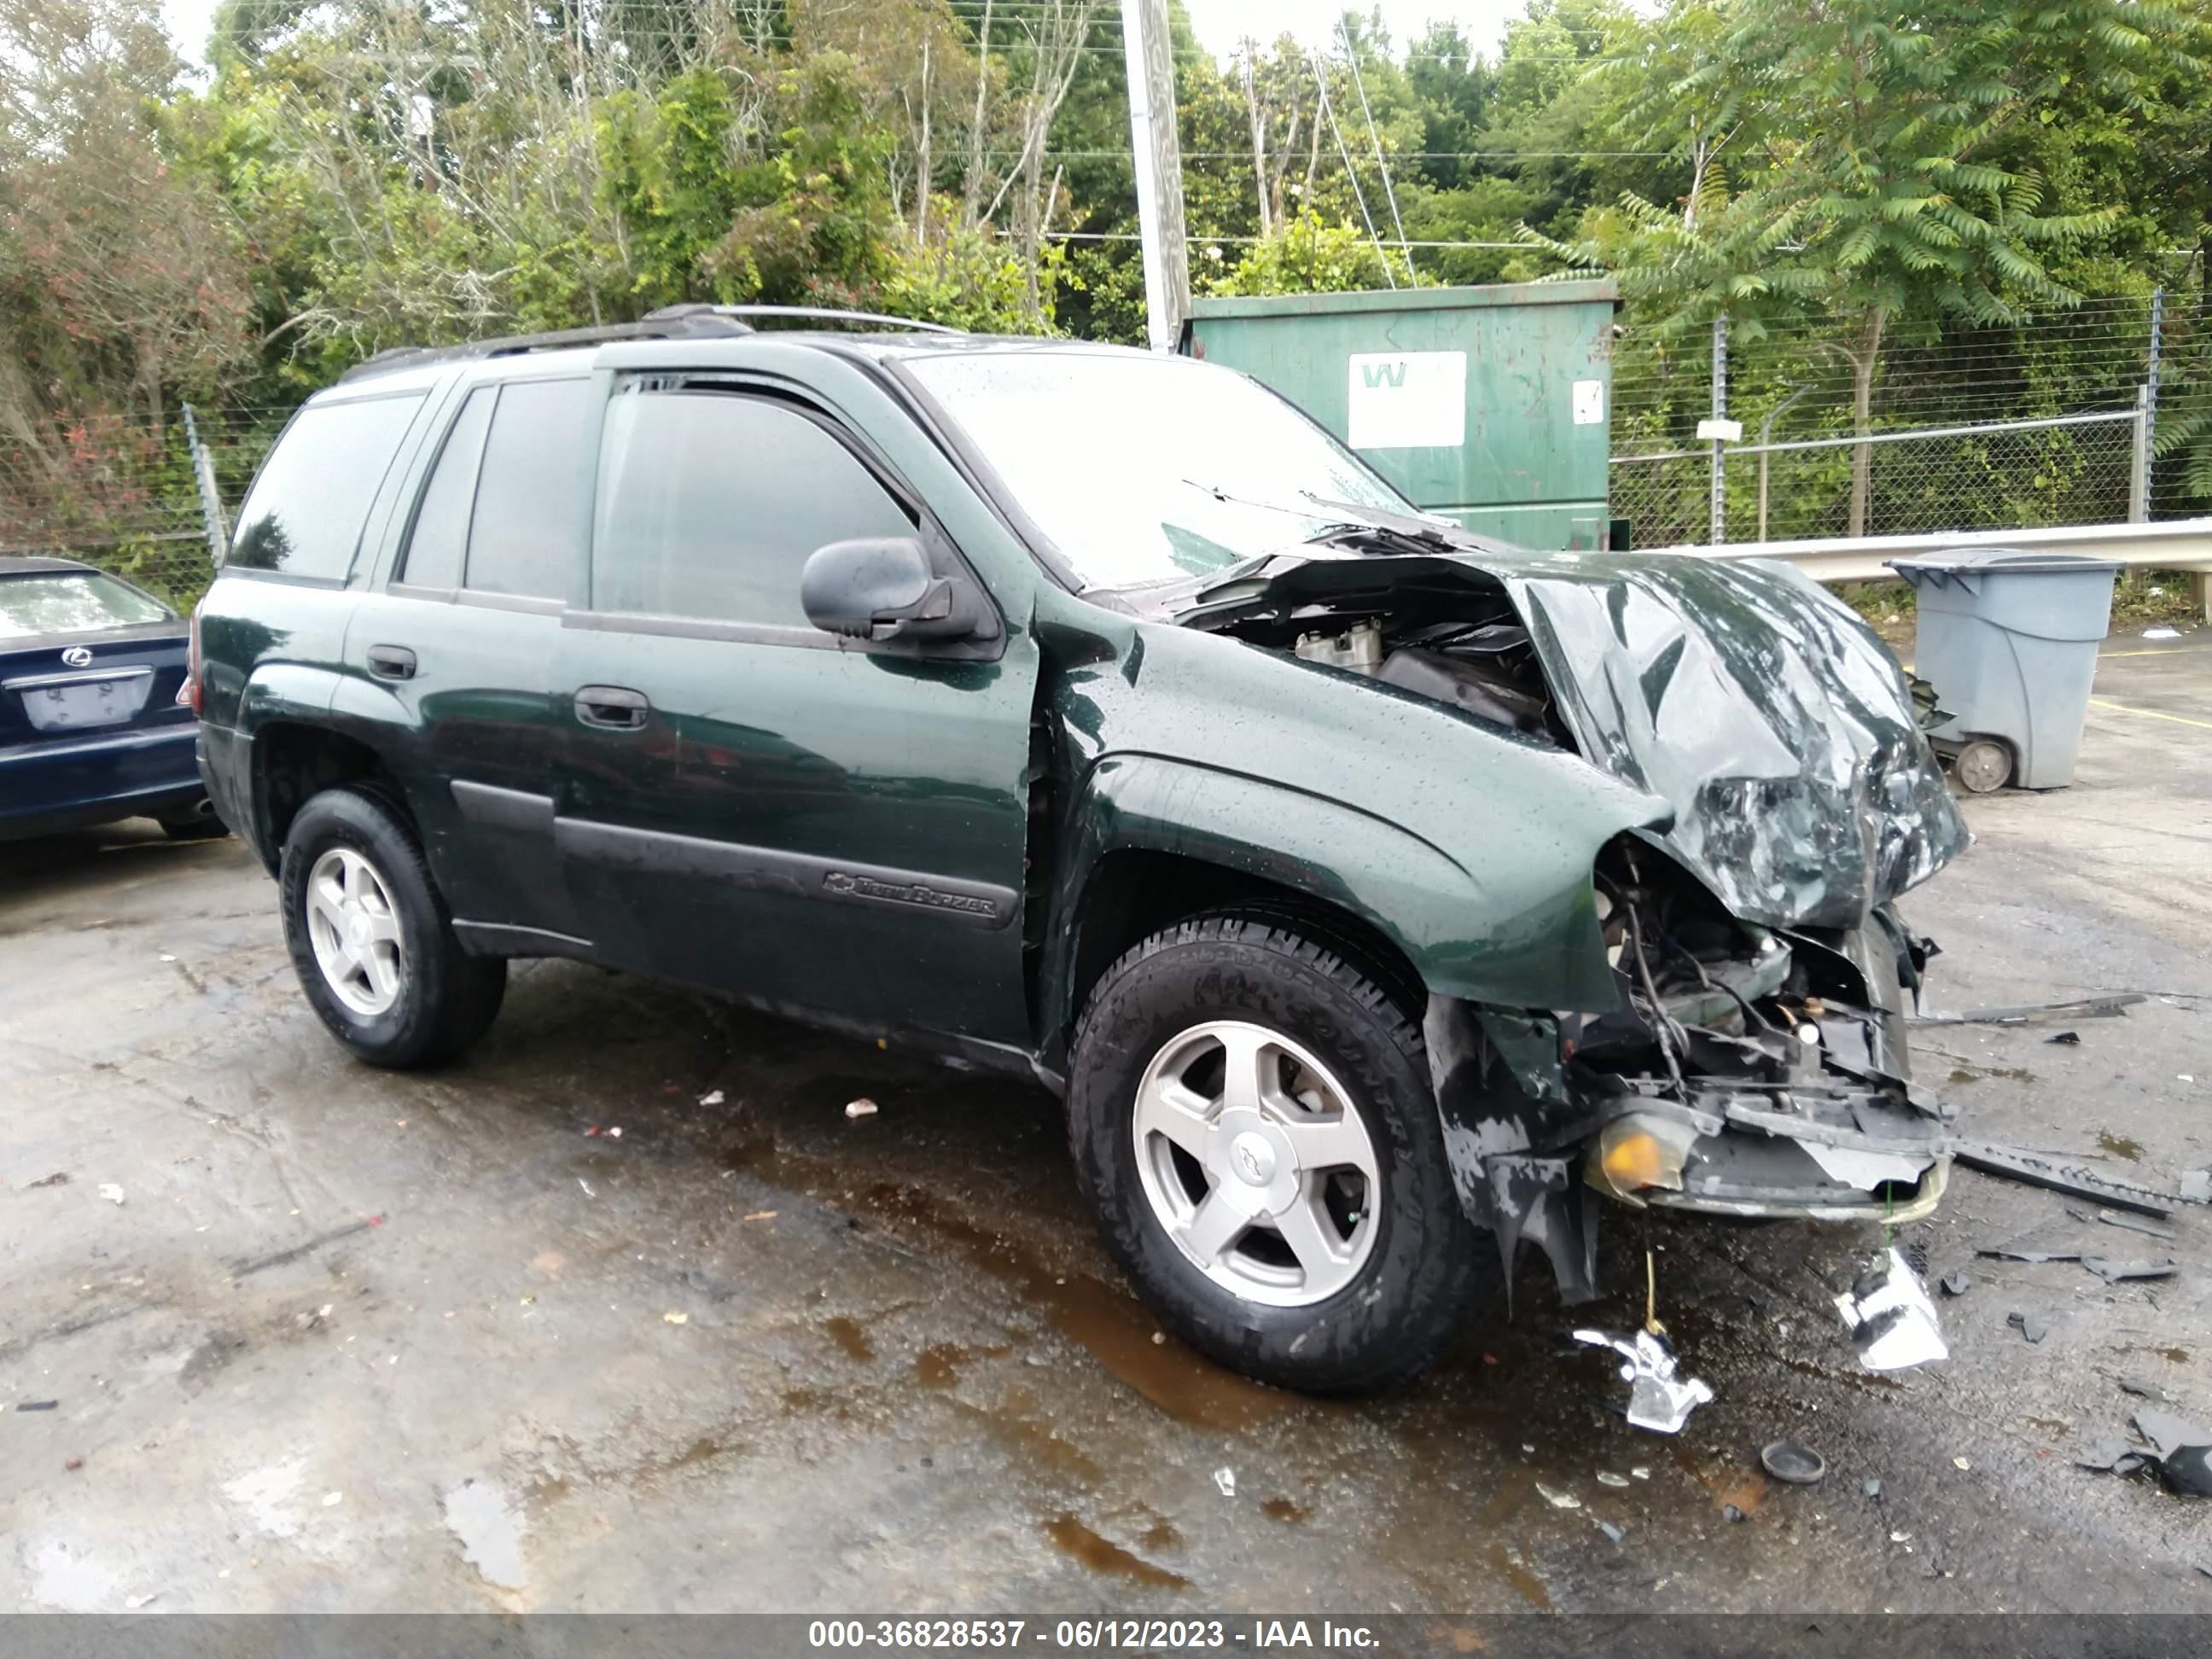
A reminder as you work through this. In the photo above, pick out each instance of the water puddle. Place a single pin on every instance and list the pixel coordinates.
(490, 1529)
(1282, 1509)
(2120, 1145)
(1102, 1318)
(1516, 1573)
(1103, 1555)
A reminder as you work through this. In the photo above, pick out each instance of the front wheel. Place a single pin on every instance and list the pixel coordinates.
(1253, 1121)
(370, 938)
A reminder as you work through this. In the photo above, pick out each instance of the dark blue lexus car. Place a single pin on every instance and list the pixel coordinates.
(91, 726)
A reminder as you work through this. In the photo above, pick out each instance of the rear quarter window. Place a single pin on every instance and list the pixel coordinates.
(305, 513)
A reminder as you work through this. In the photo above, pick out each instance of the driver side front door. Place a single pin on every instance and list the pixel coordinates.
(747, 803)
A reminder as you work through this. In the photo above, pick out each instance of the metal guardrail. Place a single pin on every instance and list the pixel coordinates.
(2164, 544)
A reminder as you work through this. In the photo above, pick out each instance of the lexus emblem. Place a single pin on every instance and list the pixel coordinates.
(77, 656)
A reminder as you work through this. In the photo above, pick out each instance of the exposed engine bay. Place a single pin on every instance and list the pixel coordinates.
(1753, 1061)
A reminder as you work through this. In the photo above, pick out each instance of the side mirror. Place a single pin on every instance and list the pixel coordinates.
(891, 588)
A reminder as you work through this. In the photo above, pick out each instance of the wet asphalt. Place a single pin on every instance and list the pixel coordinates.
(365, 1342)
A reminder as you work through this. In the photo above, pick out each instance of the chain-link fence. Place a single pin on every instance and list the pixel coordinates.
(2012, 475)
(124, 492)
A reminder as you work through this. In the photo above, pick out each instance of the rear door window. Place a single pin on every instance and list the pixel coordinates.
(526, 528)
(304, 515)
(709, 503)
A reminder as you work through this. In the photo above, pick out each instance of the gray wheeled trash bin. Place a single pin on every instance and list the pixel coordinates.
(2009, 640)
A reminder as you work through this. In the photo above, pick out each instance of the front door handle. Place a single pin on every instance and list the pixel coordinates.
(391, 662)
(616, 707)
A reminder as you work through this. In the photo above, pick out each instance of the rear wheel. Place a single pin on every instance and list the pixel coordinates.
(370, 938)
(1253, 1121)
(1983, 766)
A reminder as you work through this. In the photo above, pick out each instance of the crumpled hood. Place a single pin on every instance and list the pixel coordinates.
(1772, 718)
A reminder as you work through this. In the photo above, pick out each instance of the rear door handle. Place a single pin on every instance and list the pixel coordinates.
(616, 707)
(391, 662)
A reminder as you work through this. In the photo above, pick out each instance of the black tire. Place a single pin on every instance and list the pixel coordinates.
(196, 823)
(1415, 1289)
(446, 997)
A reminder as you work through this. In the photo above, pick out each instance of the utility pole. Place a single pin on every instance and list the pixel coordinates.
(1159, 154)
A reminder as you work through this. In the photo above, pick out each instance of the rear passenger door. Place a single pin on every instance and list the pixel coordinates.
(452, 658)
(748, 803)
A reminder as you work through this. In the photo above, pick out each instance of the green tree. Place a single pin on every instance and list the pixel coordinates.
(1877, 186)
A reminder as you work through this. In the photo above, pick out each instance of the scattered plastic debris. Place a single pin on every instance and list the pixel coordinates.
(2019, 1163)
(712, 1098)
(1956, 1284)
(1558, 1499)
(1607, 1478)
(2111, 1453)
(1870, 1488)
(1891, 1322)
(2162, 633)
(861, 1107)
(761, 1215)
(1786, 1461)
(675, 1318)
(1616, 1534)
(2104, 1007)
(2112, 1271)
(615, 1133)
(2143, 1389)
(2022, 1250)
(586, 1185)
(2066, 1039)
(2034, 1326)
(2184, 1451)
(38, 1405)
(1729, 1511)
(1901, 1538)
(1657, 1399)
(1225, 1481)
(1963, 1465)
(2133, 1224)
(111, 1192)
(1642, 1472)
(2196, 1187)
(133, 1603)
(58, 1178)
(591, 1130)
(332, 1499)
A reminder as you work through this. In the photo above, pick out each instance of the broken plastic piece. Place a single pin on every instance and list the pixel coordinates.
(1558, 1499)
(2197, 1187)
(2145, 1389)
(2031, 1325)
(2019, 1164)
(1957, 1283)
(2069, 1039)
(38, 1405)
(2085, 1007)
(111, 1192)
(1607, 1478)
(2169, 1431)
(1225, 1481)
(1870, 1488)
(1891, 1322)
(861, 1107)
(2022, 1250)
(1616, 1534)
(1658, 1399)
(1800, 1466)
(2112, 1271)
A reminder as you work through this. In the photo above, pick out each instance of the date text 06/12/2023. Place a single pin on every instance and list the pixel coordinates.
(1093, 1634)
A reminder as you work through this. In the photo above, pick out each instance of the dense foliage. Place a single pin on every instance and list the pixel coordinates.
(1939, 210)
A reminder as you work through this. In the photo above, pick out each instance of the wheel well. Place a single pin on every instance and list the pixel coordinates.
(1133, 894)
(292, 763)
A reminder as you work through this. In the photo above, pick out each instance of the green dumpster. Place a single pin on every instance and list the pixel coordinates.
(1488, 405)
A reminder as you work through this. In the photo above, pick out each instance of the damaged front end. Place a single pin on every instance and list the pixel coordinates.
(1746, 1070)
(1752, 1059)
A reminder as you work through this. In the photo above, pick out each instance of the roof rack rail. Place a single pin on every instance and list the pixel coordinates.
(676, 322)
(811, 314)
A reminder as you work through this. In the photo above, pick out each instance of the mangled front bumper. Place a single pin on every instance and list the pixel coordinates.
(1776, 1084)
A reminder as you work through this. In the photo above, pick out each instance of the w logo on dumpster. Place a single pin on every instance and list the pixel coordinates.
(1406, 400)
